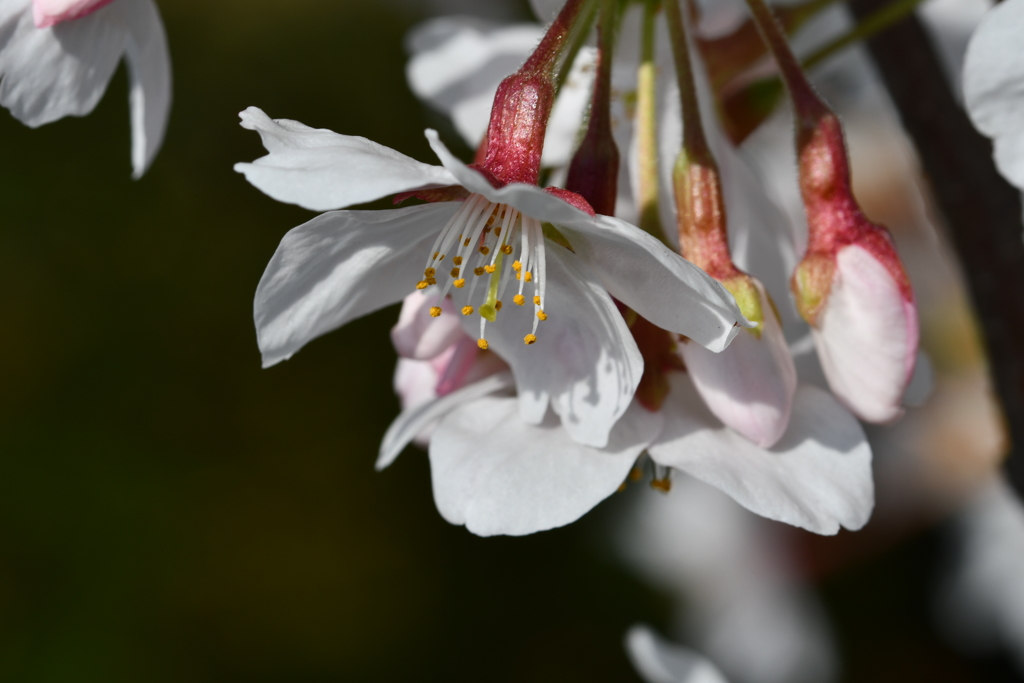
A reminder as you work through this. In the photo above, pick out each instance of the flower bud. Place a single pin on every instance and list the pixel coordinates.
(851, 286)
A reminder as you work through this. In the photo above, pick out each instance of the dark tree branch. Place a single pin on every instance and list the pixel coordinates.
(982, 210)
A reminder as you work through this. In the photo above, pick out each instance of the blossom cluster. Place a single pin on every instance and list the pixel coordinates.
(609, 289)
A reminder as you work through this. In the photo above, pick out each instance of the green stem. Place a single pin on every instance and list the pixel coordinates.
(694, 143)
(808, 106)
(874, 23)
(647, 127)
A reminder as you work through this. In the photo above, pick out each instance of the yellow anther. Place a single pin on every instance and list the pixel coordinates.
(485, 250)
(517, 266)
(435, 311)
(466, 243)
(529, 339)
(635, 474)
(489, 269)
(436, 254)
(497, 305)
(422, 284)
(541, 315)
(528, 275)
(519, 276)
(460, 283)
(457, 260)
(482, 343)
(536, 299)
(506, 249)
(478, 271)
(439, 258)
(519, 299)
(467, 310)
(455, 272)
(430, 272)
(663, 485)
(497, 231)
(431, 280)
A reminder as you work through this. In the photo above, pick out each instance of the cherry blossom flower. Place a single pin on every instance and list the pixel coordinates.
(993, 79)
(57, 57)
(342, 265)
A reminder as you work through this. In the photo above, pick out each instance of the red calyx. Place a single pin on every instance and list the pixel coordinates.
(834, 218)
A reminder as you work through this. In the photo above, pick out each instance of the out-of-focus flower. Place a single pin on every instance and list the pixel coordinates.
(981, 601)
(57, 57)
(659, 661)
(994, 85)
(736, 595)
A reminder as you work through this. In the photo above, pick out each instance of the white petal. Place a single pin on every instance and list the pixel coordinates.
(529, 199)
(46, 74)
(319, 169)
(149, 69)
(657, 283)
(818, 476)
(866, 337)
(749, 386)
(659, 661)
(340, 266)
(584, 361)
(419, 335)
(994, 85)
(546, 10)
(459, 61)
(421, 416)
(499, 475)
(567, 116)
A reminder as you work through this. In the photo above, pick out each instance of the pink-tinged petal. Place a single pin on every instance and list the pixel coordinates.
(817, 477)
(46, 74)
(657, 283)
(62, 71)
(46, 13)
(659, 661)
(531, 200)
(866, 337)
(421, 336)
(418, 420)
(749, 386)
(584, 362)
(338, 267)
(319, 169)
(497, 474)
(415, 381)
(994, 85)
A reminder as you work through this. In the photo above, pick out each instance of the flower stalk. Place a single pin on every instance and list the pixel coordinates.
(647, 126)
(701, 215)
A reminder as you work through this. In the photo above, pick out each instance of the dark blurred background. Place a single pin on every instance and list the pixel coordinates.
(171, 512)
